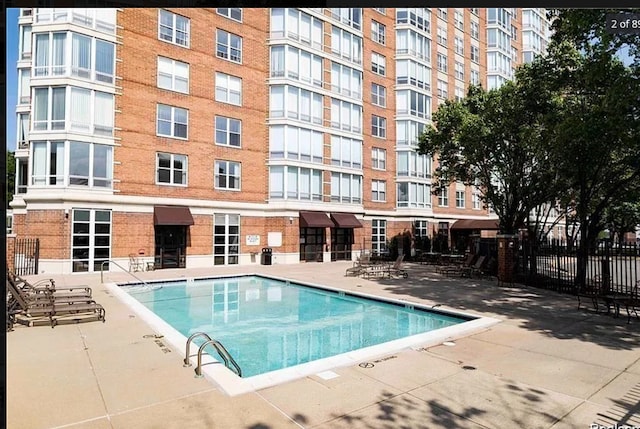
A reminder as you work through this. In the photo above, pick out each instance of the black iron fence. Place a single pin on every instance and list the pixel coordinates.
(554, 265)
(26, 255)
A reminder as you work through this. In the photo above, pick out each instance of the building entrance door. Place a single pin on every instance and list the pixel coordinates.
(171, 246)
(341, 242)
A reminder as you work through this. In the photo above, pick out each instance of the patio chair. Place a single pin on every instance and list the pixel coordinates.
(396, 269)
(382, 270)
(135, 264)
(53, 310)
(593, 290)
(472, 269)
(363, 261)
(46, 286)
(631, 302)
(448, 269)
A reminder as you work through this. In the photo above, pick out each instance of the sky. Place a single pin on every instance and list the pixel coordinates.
(12, 38)
(12, 76)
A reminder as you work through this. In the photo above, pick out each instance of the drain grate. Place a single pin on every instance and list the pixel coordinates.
(625, 413)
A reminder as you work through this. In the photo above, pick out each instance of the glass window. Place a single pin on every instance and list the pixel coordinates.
(228, 89)
(227, 175)
(172, 121)
(378, 126)
(378, 95)
(229, 46)
(171, 169)
(173, 75)
(173, 28)
(234, 13)
(228, 131)
(378, 32)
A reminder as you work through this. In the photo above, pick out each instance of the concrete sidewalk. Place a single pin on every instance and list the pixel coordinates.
(546, 365)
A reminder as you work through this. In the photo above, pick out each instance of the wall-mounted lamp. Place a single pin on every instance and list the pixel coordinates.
(290, 220)
(66, 213)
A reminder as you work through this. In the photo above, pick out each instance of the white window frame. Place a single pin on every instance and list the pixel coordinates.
(172, 170)
(460, 203)
(378, 32)
(217, 175)
(228, 12)
(222, 82)
(378, 64)
(378, 235)
(379, 191)
(459, 71)
(475, 200)
(231, 241)
(378, 95)
(475, 54)
(475, 30)
(346, 152)
(379, 126)
(174, 29)
(441, 36)
(172, 122)
(442, 62)
(174, 75)
(346, 116)
(443, 197)
(227, 131)
(378, 158)
(458, 45)
(346, 188)
(284, 179)
(346, 80)
(91, 262)
(228, 48)
(442, 89)
(296, 143)
(458, 20)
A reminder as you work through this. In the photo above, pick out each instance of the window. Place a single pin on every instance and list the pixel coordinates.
(172, 121)
(25, 42)
(171, 169)
(49, 109)
(413, 73)
(102, 19)
(443, 197)
(346, 188)
(412, 164)
(24, 88)
(442, 36)
(91, 240)
(173, 28)
(378, 236)
(475, 30)
(421, 228)
(9, 223)
(443, 91)
(458, 44)
(228, 46)
(228, 131)
(297, 25)
(346, 80)
(226, 239)
(295, 103)
(378, 190)
(90, 165)
(412, 194)
(475, 77)
(378, 158)
(346, 44)
(378, 63)
(346, 116)
(475, 200)
(23, 130)
(413, 43)
(82, 102)
(459, 72)
(227, 175)
(378, 126)
(173, 75)
(22, 175)
(346, 152)
(295, 143)
(407, 132)
(378, 95)
(475, 54)
(297, 64)
(228, 89)
(350, 16)
(458, 20)
(48, 163)
(458, 93)
(300, 183)
(420, 18)
(442, 13)
(409, 102)
(50, 54)
(234, 13)
(378, 32)
(442, 63)
(381, 10)
(460, 199)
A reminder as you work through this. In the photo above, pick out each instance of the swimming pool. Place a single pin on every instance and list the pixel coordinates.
(277, 329)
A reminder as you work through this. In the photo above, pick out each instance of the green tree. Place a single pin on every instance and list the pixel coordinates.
(496, 140)
(11, 176)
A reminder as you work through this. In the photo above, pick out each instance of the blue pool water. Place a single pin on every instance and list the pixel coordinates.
(268, 324)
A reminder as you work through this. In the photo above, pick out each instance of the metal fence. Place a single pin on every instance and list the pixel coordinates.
(26, 255)
(554, 266)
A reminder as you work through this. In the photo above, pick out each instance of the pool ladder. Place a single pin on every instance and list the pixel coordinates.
(229, 362)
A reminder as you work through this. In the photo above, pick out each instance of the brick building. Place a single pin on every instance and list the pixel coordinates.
(197, 137)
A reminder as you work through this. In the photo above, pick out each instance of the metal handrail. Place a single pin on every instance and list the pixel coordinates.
(189, 340)
(226, 357)
(122, 268)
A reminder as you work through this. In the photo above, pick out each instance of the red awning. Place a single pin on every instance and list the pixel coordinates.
(315, 220)
(172, 215)
(345, 220)
(487, 224)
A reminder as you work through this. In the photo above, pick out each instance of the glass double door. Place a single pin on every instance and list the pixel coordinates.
(341, 243)
(312, 244)
(171, 246)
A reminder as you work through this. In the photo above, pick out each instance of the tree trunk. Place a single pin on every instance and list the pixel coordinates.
(582, 256)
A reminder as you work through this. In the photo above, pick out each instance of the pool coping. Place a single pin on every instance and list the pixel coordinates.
(231, 384)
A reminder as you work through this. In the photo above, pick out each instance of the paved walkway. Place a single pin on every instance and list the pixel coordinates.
(546, 365)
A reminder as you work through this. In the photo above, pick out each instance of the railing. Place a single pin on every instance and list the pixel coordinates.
(122, 268)
(224, 354)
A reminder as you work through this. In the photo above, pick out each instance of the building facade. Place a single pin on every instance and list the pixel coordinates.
(197, 137)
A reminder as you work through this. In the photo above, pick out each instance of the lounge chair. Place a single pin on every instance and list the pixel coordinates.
(476, 268)
(383, 270)
(363, 261)
(455, 268)
(46, 286)
(47, 307)
(396, 269)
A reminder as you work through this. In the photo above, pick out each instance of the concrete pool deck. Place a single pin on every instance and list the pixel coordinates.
(545, 365)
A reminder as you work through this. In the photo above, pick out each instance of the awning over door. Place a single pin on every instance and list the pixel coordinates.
(315, 220)
(172, 215)
(487, 224)
(345, 220)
